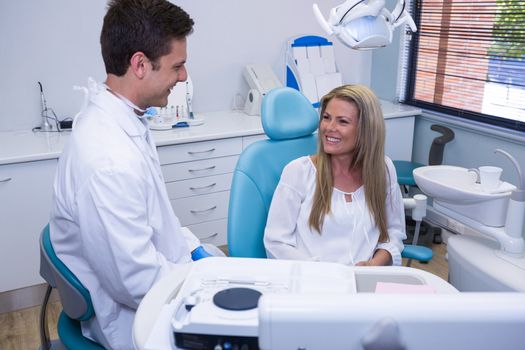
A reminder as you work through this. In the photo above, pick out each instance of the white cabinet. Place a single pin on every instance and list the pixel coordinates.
(25, 201)
(399, 137)
(198, 178)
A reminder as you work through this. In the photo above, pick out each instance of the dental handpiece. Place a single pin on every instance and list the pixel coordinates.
(45, 125)
(42, 98)
(188, 102)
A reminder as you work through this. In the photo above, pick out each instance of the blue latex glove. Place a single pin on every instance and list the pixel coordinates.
(199, 253)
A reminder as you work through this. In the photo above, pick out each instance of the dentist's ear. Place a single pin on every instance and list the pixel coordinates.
(139, 64)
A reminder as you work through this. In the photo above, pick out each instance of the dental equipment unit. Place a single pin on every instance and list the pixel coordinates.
(246, 303)
(498, 214)
(364, 24)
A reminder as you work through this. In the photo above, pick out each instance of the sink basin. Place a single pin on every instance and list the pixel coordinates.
(455, 188)
(452, 184)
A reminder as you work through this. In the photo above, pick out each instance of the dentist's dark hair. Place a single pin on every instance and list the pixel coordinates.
(147, 26)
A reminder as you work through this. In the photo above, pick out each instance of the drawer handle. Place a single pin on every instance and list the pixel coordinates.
(203, 169)
(209, 236)
(202, 187)
(203, 211)
(6, 179)
(198, 152)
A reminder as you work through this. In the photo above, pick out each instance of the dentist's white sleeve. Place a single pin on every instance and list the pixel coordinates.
(116, 237)
(192, 240)
(395, 215)
(280, 234)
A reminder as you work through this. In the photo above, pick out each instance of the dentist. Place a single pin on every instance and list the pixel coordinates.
(111, 221)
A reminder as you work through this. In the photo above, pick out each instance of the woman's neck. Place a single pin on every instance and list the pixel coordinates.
(345, 178)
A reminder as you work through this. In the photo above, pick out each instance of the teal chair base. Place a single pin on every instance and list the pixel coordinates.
(404, 171)
(70, 335)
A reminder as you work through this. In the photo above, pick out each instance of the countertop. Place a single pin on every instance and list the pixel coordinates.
(27, 146)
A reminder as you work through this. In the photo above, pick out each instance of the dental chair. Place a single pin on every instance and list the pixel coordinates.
(289, 121)
(75, 299)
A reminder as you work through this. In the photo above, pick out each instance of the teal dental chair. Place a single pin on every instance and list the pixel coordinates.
(289, 121)
(75, 299)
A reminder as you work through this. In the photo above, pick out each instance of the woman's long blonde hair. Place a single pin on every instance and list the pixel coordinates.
(368, 156)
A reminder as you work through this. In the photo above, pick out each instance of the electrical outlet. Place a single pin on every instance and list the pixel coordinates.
(456, 226)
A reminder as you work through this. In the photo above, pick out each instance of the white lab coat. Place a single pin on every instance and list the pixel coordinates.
(348, 235)
(111, 221)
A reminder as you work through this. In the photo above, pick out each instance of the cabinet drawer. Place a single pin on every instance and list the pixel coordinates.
(199, 186)
(199, 150)
(199, 168)
(197, 209)
(213, 232)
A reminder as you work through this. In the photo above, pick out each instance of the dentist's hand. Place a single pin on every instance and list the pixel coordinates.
(199, 253)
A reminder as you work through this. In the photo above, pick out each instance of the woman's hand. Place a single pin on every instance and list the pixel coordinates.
(381, 258)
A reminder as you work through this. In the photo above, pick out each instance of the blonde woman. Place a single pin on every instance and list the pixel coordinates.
(342, 204)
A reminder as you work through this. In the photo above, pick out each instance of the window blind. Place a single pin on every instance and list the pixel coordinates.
(468, 59)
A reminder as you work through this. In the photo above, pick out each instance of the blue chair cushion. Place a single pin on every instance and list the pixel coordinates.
(417, 252)
(256, 175)
(289, 121)
(404, 171)
(287, 114)
(70, 335)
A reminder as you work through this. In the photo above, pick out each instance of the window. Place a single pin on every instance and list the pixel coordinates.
(468, 59)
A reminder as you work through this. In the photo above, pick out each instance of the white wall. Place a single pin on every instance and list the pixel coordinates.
(57, 42)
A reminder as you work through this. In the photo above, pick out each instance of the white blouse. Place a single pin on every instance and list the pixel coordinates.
(348, 235)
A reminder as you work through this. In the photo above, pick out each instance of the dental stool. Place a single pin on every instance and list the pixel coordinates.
(405, 169)
(75, 299)
(289, 121)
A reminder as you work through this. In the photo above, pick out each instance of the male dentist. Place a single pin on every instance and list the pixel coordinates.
(111, 221)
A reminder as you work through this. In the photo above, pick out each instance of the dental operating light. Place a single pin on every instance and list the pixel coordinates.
(364, 24)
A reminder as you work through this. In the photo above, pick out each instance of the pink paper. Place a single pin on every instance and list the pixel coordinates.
(400, 288)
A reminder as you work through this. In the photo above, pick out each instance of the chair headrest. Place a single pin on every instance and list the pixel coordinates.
(287, 114)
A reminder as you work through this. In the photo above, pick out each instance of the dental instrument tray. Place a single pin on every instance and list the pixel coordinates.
(157, 123)
(217, 305)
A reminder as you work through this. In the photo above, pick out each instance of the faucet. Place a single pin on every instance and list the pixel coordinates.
(476, 171)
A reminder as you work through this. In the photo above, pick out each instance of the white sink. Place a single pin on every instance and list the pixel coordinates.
(455, 188)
